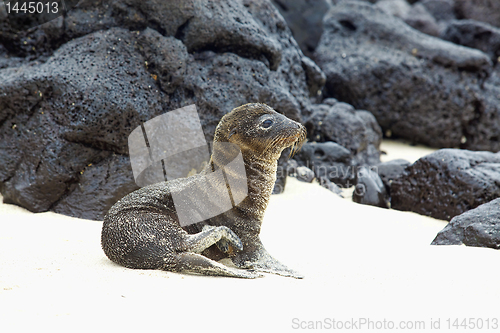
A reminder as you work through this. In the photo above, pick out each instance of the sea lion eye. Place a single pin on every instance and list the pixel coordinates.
(267, 123)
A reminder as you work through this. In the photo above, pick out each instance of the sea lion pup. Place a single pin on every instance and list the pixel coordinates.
(143, 231)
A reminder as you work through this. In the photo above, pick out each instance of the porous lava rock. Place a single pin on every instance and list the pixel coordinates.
(419, 18)
(332, 187)
(328, 160)
(441, 10)
(69, 115)
(475, 34)
(369, 188)
(487, 11)
(291, 167)
(304, 174)
(398, 8)
(447, 183)
(305, 19)
(431, 16)
(356, 130)
(478, 227)
(390, 170)
(80, 84)
(418, 87)
(341, 140)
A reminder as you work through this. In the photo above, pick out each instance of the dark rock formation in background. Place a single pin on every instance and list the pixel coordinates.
(487, 11)
(332, 187)
(398, 8)
(304, 174)
(305, 19)
(69, 117)
(80, 84)
(418, 17)
(475, 34)
(342, 139)
(478, 227)
(291, 167)
(441, 10)
(418, 87)
(447, 183)
(369, 188)
(73, 89)
(356, 130)
(430, 16)
(390, 170)
(328, 160)
(294, 170)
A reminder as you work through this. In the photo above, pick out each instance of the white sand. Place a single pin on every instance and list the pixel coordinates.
(359, 262)
(395, 149)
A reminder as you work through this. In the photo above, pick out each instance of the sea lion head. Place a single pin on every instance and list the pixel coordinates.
(260, 131)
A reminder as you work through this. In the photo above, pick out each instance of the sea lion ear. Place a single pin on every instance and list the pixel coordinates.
(233, 131)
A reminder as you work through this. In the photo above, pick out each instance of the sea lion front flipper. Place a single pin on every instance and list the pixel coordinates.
(211, 235)
(188, 262)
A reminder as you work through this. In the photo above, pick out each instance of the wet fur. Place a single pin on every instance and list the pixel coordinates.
(142, 229)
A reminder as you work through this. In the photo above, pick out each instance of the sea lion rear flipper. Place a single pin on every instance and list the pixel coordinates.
(261, 261)
(271, 265)
(188, 262)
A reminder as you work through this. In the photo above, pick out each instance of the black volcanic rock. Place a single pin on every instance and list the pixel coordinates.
(369, 189)
(447, 183)
(441, 10)
(291, 167)
(419, 18)
(427, 16)
(284, 165)
(315, 77)
(398, 8)
(418, 87)
(324, 182)
(390, 170)
(328, 160)
(487, 11)
(305, 19)
(304, 174)
(341, 139)
(356, 130)
(475, 34)
(73, 90)
(94, 194)
(478, 227)
(70, 114)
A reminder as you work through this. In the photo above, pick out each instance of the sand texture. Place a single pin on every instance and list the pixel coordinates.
(358, 261)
